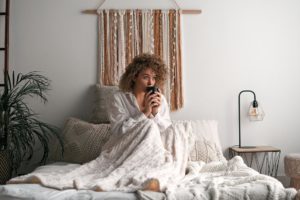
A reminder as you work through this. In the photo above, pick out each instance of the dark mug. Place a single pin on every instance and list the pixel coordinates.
(153, 89)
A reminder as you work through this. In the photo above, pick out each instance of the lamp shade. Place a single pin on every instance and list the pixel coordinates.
(256, 113)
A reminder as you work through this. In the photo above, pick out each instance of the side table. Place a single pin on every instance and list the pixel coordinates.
(264, 159)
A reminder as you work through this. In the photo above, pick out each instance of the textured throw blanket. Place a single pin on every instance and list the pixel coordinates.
(228, 180)
(126, 162)
(143, 153)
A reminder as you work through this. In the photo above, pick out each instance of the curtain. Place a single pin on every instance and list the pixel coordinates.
(123, 34)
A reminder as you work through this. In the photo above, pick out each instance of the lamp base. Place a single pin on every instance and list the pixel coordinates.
(247, 147)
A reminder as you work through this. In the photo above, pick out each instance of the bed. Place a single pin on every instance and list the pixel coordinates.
(208, 174)
(215, 181)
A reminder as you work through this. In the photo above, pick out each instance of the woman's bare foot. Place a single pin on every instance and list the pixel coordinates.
(152, 185)
(98, 189)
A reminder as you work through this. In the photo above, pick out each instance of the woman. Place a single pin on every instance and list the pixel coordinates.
(142, 154)
(133, 103)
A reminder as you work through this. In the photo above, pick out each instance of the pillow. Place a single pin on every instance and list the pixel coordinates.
(205, 144)
(82, 141)
(99, 110)
(206, 151)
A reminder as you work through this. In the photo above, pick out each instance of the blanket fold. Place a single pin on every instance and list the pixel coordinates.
(231, 179)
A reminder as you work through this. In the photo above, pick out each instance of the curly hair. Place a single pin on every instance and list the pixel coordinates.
(140, 63)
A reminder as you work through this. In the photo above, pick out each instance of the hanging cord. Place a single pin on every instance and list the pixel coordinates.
(101, 4)
(99, 7)
(176, 4)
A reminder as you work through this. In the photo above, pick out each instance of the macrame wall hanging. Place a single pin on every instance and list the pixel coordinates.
(123, 34)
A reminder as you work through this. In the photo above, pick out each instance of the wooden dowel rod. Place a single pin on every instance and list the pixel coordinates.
(192, 12)
(93, 12)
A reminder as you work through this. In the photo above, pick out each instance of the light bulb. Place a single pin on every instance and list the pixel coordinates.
(253, 112)
(256, 113)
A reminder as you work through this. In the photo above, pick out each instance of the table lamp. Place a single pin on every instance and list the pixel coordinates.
(255, 113)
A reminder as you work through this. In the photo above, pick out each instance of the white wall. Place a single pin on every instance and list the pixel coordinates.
(233, 45)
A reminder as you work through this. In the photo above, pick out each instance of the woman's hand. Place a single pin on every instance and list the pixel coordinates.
(147, 105)
(156, 103)
(152, 103)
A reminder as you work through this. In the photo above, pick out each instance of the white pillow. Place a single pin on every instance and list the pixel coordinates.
(205, 145)
(99, 109)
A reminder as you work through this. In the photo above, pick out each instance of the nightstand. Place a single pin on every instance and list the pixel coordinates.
(264, 159)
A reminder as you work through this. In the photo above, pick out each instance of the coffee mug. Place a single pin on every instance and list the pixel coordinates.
(153, 89)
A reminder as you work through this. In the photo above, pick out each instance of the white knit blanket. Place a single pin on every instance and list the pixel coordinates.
(129, 161)
(126, 162)
(228, 180)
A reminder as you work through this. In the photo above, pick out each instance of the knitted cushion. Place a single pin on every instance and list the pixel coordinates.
(102, 95)
(82, 141)
(206, 146)
(206, 151)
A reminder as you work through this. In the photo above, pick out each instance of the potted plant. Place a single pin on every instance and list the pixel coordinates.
(20, 129)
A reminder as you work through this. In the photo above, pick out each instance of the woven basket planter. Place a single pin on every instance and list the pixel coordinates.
(5, 167)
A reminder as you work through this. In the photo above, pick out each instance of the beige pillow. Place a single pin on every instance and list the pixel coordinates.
(99, 109)
(82, 141)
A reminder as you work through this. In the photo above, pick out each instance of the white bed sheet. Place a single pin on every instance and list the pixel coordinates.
(38, 192)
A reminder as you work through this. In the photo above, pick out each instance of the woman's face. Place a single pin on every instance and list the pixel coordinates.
(144, 79)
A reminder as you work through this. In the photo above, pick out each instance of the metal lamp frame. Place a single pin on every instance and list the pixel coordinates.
(255, 105)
